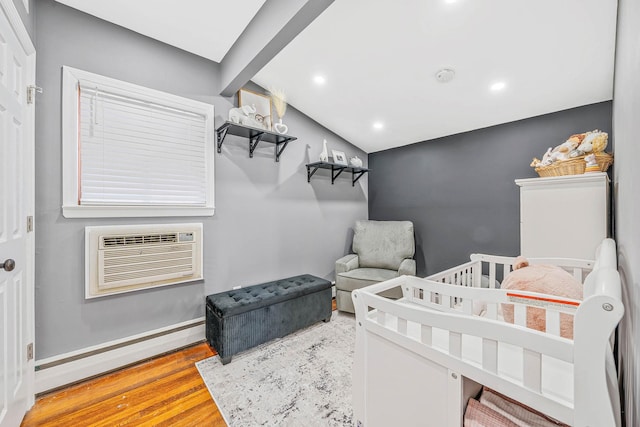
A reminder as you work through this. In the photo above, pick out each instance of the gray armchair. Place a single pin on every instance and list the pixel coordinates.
(382, 250)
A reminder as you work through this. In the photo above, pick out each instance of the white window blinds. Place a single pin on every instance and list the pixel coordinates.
(138, 153)
(137, 147)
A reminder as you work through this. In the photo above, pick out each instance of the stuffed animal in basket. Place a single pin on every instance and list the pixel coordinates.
(576, 145)
(546, 279)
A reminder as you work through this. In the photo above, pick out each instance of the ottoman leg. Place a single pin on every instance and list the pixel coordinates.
(225, 360)
(327, 320)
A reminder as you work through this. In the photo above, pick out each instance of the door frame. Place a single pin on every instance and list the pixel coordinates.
(9, 9)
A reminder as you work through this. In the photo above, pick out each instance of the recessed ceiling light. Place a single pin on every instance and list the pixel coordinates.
(378, 125)
(498, 86)
(319, 80)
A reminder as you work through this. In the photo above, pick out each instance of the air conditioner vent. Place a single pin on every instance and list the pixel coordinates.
(140, 239)
(127, 258)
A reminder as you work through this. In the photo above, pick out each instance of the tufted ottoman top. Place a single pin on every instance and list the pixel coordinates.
(253, 297)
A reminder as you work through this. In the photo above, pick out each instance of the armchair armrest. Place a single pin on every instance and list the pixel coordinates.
(346, 263)
(407, 266)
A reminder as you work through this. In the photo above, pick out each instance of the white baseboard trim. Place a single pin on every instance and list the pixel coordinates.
(57, 371)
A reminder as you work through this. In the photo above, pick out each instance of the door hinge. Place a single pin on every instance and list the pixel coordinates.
(31, 93)
(30, 351)
(29, 224)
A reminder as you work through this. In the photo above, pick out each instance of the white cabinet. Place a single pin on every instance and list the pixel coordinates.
(565, 216)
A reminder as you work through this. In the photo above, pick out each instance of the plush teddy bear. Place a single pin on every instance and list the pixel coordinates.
(545, 279)
(594, 142)
(575, 146)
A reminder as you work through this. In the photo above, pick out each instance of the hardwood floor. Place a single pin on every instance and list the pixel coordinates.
(165, 391)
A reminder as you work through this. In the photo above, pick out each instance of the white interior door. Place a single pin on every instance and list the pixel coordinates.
(16, 205)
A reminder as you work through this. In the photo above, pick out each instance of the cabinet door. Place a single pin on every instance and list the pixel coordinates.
(563, 217)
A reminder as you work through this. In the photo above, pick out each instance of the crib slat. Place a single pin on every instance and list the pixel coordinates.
(467, 306)
(532, 366)
(381, 317)
(446, 301)
(477, 275)
(492, 274)
(455, 344)
(577, 274)
(506, 269)
(426, 334)
(492, 311)
(553, 322)
(402, 326)
(490, 355)
(520, 315)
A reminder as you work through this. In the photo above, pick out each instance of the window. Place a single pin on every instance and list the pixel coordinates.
(130, 151)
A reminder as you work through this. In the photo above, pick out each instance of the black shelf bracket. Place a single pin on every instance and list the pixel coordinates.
(355, 176)
(255, 136)
(335, 174)
(279, 150)
(336, 170)
(220, 135)
(310, 172)
(253, 142)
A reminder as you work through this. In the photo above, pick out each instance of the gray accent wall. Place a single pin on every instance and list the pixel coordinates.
(626, 124)
(269, 222)
(459, 190)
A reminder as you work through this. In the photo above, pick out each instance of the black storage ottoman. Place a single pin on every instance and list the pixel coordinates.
(243, 318)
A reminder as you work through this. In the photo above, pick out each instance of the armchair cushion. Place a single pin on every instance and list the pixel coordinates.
(408, 267)
(361, 277)
(346, 263)
(383, 244)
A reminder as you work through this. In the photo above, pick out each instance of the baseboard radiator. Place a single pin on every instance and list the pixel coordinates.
(65, 369)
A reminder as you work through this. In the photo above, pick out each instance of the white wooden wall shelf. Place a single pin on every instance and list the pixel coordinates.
(336, 170)
(255, 136)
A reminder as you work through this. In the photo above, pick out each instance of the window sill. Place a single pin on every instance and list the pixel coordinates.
(133, 211)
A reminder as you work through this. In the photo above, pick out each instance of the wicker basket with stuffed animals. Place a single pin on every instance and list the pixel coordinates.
(580, 153)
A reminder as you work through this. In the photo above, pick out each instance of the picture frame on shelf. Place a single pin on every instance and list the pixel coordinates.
(339, 157)
(262, 118)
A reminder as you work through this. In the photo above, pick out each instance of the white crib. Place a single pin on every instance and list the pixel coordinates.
(419, 359)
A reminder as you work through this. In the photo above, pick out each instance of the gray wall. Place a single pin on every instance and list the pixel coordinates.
(269, 222)
(459, 190)
(626, 111)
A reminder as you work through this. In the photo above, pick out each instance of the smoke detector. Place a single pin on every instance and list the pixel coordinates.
(445, 75)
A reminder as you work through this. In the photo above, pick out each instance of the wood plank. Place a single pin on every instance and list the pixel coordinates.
(163, 391)
(167, 390)
(104, 387)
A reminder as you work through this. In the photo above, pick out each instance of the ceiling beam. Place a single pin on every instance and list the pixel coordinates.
(274, 26)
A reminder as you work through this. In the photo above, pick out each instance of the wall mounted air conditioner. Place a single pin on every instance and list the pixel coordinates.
(128, 258)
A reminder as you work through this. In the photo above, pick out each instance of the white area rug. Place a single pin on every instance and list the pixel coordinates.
(303, 379)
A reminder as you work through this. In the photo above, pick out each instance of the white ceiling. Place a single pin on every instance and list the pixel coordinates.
(379, 59)
(207, 28)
